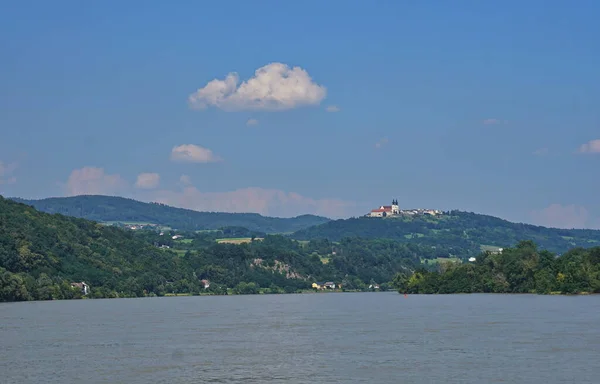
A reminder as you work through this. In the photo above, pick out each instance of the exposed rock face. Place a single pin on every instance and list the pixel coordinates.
(278, 267)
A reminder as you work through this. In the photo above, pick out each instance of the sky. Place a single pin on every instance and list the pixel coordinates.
(323, 107)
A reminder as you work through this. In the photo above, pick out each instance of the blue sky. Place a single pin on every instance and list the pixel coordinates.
(489, 107)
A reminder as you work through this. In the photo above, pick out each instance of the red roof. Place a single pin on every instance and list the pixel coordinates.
(378, 210)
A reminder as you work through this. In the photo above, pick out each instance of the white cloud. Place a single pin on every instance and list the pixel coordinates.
(251, 122)
(381, 143)
(6, 171)
(592, 146)
(147, 180)
(562, 216)
(269, 202)
(274, 86)
(191, 153)
(332, 108)
(491, 121)
(185, 180)
(93, 181)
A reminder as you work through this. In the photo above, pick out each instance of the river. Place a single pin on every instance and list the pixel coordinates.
(303, 338)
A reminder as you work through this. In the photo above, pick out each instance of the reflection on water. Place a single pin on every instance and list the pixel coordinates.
(315, 338)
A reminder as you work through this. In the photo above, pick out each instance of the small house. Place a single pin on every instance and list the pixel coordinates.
(85, 289)
(205, 283)
(325, 285)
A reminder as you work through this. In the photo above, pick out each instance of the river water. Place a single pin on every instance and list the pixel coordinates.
(306, 338)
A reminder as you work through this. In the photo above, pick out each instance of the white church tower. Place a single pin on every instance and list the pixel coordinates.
(395, 208)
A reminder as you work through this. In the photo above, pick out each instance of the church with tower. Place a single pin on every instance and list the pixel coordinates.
(386, 210)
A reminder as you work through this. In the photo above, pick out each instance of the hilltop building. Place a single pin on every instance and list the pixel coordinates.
(386, 210)
(394, 210)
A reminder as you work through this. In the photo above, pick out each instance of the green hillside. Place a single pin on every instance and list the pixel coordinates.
(119, 209)
(465, 234)
(42, 254)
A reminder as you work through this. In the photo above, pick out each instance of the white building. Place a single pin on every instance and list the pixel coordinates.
(386, 210)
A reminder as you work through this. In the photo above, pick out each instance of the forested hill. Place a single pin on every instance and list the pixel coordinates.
(42, 254)
(119, 209)
(467, 233)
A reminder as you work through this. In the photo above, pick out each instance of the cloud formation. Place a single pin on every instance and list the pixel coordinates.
(592, 146)
(190, 153)
(562, 216)
(275, 86)
(333, 108)
(269, 202)
(381, 143)
(6, 171)
(93, 181)
(185, 180)
(147, 180)
(251, 122)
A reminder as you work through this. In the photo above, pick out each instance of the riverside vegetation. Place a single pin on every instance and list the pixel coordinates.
(522, 269)
(42, 254)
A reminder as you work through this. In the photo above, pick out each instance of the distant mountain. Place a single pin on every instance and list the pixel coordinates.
(119, 209)
(464, 233)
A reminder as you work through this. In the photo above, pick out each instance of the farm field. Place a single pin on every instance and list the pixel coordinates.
(237, 240)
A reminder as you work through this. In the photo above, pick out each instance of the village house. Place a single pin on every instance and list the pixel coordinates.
(85, 289)
(205, 283)
(325, 285)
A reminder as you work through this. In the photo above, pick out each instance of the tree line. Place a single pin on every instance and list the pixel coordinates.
(522, 269)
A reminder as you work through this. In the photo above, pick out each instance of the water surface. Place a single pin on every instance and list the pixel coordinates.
(311, 338)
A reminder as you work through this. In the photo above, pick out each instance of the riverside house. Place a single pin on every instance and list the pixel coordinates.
(325, 285)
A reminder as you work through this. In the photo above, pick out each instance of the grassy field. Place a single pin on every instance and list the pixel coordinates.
(442, 260)
(179, 252)
(489, 248)
(184, 241)
(237, 240)
(413, 236)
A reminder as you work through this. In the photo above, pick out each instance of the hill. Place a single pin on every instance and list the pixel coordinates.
(42, 254)
(119, 209)
(464, 234)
